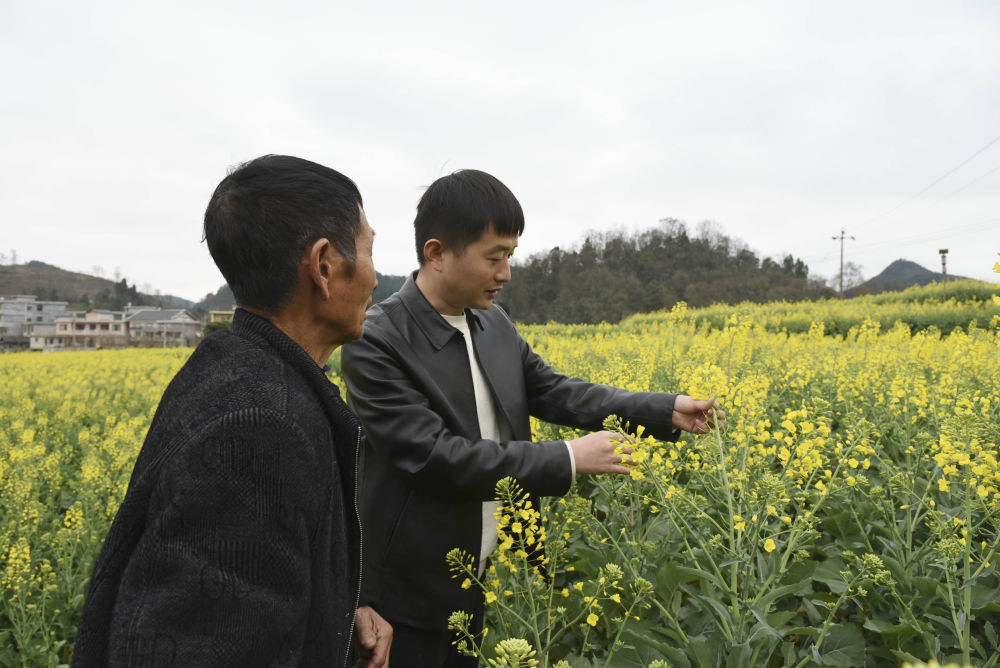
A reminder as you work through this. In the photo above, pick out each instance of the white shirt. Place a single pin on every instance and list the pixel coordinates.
(492, 426)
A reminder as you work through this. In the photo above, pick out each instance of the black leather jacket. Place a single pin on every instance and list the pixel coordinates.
(426, 470)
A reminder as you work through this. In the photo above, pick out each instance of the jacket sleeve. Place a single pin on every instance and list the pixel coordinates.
(573, 402)
(395, 396)
(221, 575)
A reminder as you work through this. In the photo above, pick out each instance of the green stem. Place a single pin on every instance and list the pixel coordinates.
(966, 572)
(621, 627)
(954, 615)
(734, 569)
(829, 619)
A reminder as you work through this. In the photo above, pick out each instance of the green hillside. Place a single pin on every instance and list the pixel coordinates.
(82, 291)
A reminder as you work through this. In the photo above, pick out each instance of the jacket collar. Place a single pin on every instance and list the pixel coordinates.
(435, 328)
(262, 333)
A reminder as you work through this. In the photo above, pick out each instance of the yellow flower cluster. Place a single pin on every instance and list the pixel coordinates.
(814, 420)
(71, 425)
(520, 534)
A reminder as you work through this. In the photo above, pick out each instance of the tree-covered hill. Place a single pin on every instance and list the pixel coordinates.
(223, 298)
(613, 275)
(82, 291)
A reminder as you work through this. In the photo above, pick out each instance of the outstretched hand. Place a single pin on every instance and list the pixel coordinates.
(601, 452)
(697, 416)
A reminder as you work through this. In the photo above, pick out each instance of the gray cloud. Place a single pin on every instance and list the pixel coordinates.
(784, 122)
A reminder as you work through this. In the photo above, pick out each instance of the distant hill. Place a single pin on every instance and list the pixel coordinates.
(613, 274)
(50, 283)
(223, 299)
(899, 275)
(387, 284)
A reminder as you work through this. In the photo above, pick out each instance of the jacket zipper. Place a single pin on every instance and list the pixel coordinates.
(361, 547)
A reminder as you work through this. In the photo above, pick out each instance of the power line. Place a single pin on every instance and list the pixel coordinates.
(970, 183)
(902, 242)
(950, 232)
(934, 182)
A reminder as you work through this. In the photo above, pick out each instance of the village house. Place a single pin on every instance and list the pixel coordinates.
(92, 330)
(221, 316)
(149, 326)
(29, 324)
(22, 315)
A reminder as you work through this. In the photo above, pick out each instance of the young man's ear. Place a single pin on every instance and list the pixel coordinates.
(434, 253)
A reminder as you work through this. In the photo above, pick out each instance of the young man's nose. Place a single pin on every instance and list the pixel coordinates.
(503, 275)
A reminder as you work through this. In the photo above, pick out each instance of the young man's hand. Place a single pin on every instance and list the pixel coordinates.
(374, 637)
(595, 453)
(697, 416)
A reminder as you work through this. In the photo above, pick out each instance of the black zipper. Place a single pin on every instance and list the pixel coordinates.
(361, 547)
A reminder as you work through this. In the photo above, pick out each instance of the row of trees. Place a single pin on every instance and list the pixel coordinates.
(615, 274)
(113, 298)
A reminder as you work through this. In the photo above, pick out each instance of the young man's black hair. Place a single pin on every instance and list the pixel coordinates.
(457, 209)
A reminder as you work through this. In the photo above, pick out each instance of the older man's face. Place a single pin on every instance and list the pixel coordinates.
(352, 295)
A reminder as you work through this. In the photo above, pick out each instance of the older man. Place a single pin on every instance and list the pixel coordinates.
(238, 541)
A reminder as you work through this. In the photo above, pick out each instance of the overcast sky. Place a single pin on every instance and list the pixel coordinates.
(782, 122)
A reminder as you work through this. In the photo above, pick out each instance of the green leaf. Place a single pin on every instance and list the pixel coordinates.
(800, 572)
(978, 646)
(587, 560)
(672, 634)
(842, 525)
(893, 633)
(944, 623)
(905, 656)
(927, 587)
(878, 625)
(648, 647)
(811, 612)
(778, 592)
(985, 599)
(789, 653)
(780, 618)
(724, 615)
(692, 574)
(828, 572)
(703, 654)
(894, 566)
(659, 528)
(807, 631)
(739, 656)
(843, 647)
(991, 633)
(762, 628)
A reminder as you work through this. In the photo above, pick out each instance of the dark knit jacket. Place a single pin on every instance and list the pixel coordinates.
(238, 541)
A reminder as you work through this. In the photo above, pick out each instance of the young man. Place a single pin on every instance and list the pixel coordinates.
(444, 385)
(238, 541)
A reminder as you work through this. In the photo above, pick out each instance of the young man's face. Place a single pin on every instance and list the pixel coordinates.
(474, 278)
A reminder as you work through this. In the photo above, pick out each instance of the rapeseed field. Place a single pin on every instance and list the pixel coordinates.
(847, 514)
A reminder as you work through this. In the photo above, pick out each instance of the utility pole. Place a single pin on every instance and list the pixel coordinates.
(842, 237)
(944, 267)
